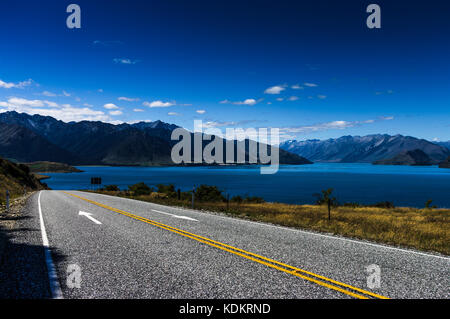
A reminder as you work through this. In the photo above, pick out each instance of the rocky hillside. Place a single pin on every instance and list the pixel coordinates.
(412, 158)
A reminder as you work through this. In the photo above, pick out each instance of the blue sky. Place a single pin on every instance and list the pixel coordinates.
(311, 68)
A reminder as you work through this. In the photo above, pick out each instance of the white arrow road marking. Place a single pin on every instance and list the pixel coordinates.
(88, 215)
(176, 216)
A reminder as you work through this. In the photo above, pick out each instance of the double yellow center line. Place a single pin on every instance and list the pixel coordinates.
(304, 274)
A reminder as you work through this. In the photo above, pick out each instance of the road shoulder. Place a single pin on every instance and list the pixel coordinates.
(23, 273)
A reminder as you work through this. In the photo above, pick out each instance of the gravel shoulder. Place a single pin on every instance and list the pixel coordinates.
(23, 273)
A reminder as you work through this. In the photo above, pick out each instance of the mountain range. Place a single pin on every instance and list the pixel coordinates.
(30, 138)
(364, 149)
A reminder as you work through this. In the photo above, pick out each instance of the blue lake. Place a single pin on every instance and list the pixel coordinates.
(362, 183)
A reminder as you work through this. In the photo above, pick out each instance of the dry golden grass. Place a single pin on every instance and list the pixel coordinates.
(423, 229)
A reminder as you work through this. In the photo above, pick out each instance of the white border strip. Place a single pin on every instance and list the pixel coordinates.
(52, 275)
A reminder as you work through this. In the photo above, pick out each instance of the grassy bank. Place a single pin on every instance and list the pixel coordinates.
(425, 229)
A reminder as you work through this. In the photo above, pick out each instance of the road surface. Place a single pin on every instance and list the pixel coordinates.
(108, 247)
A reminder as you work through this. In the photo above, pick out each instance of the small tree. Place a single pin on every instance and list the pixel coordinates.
(428, 204)
(327, 199)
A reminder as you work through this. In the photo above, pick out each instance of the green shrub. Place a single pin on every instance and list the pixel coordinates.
(254, 200)
(169, 190)
(140, 189)
(236, 199)
(385, 204)
(353, 205)
(111, 188)
(207, 193)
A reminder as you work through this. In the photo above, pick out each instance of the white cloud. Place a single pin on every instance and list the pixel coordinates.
(158, 104)
(280, 99)
(100, 90)
(173, 114)
(321, 96)
(212, 124)
(64, 112)
(107, 43)
(125, 61)
(88, 105)
(65, 93)
(115, 113)
(128, 99)
(110, 106)
(297, 87)
(201, 111)
(245, 102)
(24, 102)
(311, 85)
(384, 92)
(138, 110)
(51, 104)
(293, 98)
(277, 89)
(47, 93)
(19, 85)
(334, 125)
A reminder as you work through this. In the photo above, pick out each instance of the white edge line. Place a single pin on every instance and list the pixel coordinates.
(51, 270)
(294, 230)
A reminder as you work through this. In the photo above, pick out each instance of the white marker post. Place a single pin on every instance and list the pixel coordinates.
(7, 200)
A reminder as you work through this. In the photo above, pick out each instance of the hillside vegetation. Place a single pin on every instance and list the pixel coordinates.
(16, 177)
(51, 167)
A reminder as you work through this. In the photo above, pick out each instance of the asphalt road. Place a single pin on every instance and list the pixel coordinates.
(129, 249)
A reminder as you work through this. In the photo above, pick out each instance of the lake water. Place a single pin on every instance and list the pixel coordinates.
(362, 183)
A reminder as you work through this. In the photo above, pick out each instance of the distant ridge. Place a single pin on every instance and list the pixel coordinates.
(364, 149)
(444, 144)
